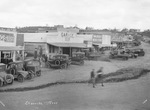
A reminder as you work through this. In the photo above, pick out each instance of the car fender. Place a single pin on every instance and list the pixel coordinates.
(23, 73)
(11, 76)
(1, 79)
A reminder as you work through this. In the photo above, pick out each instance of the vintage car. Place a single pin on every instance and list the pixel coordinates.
(59, 61)
(115, 54)
(4, 77)
(18, 71)
(131, 54)
(78, 58)
(33, 66)
(138, 51)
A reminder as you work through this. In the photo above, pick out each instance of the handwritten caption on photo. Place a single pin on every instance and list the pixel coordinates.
(41, 103)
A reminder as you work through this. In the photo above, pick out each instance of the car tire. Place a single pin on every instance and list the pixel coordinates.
(38, 73)
(81, 62)
(57, 62)
(9, 79)
(63, 66)
(12, 71)
(32, 73)
(29, 76)
(20, 78)
(135, 56)
(1, 82)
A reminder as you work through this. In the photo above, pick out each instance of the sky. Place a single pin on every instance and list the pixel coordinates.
(99, 14)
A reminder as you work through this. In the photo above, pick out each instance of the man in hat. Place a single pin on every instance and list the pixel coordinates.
(100, 75)
(93, 77)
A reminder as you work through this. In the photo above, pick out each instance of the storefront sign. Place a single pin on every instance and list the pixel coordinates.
(97, 39)
(67, 35)
(6, 37)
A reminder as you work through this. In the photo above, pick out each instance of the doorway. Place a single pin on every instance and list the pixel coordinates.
(66, 50)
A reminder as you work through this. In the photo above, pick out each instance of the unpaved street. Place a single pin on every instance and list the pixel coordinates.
(128, 95)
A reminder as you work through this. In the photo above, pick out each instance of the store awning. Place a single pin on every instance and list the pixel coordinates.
(75, 45)
(5, 48)
(103, 45)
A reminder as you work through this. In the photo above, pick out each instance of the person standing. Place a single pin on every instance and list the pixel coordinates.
(93, 77)
(100, 75)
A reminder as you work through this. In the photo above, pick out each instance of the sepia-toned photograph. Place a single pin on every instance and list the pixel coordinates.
(74, 54)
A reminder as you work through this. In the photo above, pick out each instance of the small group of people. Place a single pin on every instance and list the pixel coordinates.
(98, 75)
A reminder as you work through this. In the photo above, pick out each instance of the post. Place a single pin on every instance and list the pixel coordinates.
(0, 56)
(70, 52)
(14, 55)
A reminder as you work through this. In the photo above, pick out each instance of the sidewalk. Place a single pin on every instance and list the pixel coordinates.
(73, 73)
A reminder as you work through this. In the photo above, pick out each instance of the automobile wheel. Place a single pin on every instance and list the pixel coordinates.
(57, 62)
(12, 71)
(9, 79)
(20, 78)
(38, 73)
(135, 56)
(63, 66)
(81, 62)
(32, 73)
(126, 58)
(29, 76)
(1, 82)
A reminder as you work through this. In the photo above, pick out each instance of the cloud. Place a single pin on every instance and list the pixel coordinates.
(94, 13)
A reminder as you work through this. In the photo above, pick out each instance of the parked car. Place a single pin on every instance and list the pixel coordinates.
(17, 70)
(115, 54)
(4, 77)
(59, 61)
(138, 51)
(33, 66)
(131, 54)
(78, 58)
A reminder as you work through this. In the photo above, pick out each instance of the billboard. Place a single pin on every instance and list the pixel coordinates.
(97, 39)
(7, 39)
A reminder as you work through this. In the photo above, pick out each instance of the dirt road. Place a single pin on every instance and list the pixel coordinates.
(128, 95)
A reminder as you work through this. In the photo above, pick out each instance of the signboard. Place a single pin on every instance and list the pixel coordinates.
(97, 39)
(7, 37)
(67, 35)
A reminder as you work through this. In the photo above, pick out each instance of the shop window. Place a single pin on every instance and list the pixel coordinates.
(53, 49)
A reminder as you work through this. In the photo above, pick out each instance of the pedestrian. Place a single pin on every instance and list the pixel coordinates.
(100, 75)
(93, 77)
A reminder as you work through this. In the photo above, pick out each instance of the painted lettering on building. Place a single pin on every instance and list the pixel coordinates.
(6, 37)
(97, 39)
(67, 35)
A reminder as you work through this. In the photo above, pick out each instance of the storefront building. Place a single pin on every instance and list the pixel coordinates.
(62, 41)
(11, 45)
(122, 40)
(100, 38)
